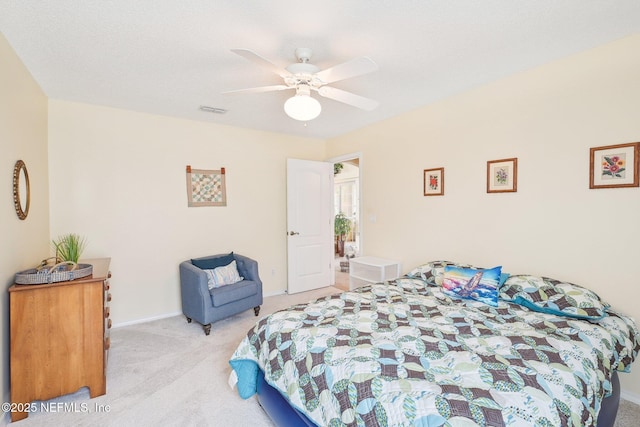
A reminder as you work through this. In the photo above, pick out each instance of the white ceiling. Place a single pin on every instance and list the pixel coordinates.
(169, 57)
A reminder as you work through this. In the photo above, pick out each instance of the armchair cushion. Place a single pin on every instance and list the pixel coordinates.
(221, 276)
(226, 294)
(209, 263)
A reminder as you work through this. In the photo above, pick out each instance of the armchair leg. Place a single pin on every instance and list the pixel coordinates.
(256, 310)
(188, 319)
(207, 329)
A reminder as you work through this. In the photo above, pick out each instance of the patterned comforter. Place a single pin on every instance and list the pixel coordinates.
(405, 354)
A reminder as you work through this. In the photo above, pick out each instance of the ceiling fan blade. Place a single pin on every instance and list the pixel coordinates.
(260, 89)
(257, 59)
(348, 98)
(355, 67)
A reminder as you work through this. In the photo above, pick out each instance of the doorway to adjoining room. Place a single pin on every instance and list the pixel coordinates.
(346, 217)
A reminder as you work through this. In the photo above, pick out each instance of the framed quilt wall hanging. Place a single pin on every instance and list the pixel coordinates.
(206, 187)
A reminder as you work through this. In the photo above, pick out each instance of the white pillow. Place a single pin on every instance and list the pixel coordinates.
(225, 275)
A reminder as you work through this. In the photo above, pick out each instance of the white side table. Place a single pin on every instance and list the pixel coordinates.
(367, 270)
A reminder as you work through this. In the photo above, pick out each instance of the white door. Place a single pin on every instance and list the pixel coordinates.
(309, 224)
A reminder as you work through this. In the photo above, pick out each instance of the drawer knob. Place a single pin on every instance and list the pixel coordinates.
(107, 343)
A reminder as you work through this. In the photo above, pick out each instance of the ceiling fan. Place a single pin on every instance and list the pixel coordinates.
(305, 77)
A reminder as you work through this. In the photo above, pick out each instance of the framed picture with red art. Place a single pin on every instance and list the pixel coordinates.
(614, 166)
(434, 182)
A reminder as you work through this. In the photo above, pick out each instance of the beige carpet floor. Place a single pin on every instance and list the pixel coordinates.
(168, 373)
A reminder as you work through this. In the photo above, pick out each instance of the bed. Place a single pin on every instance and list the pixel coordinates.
(410, 352)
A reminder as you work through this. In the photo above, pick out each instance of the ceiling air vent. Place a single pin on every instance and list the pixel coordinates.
(213, 110)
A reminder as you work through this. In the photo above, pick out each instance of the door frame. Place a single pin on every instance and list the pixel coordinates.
(343, 158)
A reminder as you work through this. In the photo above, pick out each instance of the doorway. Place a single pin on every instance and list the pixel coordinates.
(347, 215)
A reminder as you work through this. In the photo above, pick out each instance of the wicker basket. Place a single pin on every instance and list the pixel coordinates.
(61, 272)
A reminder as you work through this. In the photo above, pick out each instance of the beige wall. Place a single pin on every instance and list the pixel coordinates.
(23, 136)
(554, 225)
(118, 178)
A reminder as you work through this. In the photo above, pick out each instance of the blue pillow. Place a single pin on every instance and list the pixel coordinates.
(478, 284)
(208, 263)
(503, 278)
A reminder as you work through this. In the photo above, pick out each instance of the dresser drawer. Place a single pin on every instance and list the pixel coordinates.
(107, 321)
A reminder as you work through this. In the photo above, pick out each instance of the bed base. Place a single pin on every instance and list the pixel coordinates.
(278, 408)
(284, 415)
(609, 408)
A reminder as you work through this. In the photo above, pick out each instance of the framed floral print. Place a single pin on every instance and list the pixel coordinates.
(434, 182)
(614, 166)
(502, 176)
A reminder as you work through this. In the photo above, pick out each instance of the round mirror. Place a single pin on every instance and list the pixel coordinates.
(21, 190)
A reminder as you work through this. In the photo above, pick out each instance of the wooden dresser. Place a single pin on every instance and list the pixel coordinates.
(59, 338)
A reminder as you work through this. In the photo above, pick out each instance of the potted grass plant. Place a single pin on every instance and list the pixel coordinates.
(342, 227)
(69, 247)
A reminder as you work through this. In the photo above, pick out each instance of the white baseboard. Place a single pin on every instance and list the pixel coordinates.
(275, 293)
(177, 313)
(147, 319)
(631, 397)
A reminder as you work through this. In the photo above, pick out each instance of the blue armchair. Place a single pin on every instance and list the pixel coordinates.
(207, 306)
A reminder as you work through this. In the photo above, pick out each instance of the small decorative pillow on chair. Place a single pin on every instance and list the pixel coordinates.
(225, 275)
(209, 263)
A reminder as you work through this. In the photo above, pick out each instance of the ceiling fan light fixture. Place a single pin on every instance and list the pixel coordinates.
(305, 77)
(302, 107)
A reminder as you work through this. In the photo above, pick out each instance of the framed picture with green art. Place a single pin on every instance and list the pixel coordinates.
(614, 166)
(502, 176)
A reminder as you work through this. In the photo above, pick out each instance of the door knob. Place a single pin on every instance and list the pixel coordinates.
(293, 233)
